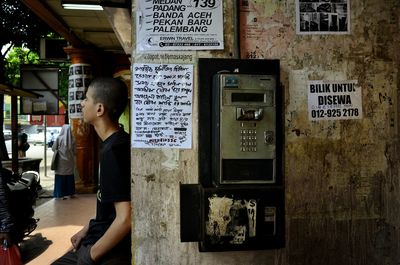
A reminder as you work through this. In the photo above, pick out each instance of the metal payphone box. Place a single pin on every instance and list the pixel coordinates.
(239, 202)
(244, 134)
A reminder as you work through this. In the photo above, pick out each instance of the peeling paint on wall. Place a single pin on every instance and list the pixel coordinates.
(229, 218)
(219, 216)
(172, 159)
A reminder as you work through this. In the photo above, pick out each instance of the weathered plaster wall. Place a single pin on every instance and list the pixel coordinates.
(341, 177)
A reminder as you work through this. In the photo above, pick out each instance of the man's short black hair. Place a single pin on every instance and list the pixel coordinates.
(112, 93)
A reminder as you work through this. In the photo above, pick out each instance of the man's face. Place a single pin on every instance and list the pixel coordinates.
(89, 107)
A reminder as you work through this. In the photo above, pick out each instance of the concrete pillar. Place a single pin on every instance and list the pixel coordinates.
(85, 136)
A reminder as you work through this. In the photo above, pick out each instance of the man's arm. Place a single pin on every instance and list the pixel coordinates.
(119, 228)
(77, 238)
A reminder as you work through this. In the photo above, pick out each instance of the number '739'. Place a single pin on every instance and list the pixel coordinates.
(205, 4)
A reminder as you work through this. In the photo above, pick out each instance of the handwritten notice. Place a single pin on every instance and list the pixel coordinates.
(162, 105)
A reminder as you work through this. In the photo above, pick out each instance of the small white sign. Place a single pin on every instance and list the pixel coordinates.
(334, 100)
(179, 25)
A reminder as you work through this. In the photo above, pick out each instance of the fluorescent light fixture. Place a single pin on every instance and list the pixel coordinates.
(94, 4)
(82, 7)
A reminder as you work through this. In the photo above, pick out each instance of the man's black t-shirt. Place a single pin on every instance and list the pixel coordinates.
(114, 186)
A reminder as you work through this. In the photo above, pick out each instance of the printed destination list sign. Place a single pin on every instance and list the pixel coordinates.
(334, 100)
(162, 105)
(179, 25)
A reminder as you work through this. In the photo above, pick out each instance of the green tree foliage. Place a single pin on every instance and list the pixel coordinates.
(19, 27)
(14, 59)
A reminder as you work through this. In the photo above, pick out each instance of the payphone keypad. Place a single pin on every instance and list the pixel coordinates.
(248, 139)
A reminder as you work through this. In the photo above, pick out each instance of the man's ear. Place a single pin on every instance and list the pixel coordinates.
(100, 110)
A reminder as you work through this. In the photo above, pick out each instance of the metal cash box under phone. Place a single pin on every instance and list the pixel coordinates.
(244, 129)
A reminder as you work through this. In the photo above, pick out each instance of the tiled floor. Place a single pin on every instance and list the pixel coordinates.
(59, 220)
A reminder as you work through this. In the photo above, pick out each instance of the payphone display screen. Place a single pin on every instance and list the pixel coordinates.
(248, 97)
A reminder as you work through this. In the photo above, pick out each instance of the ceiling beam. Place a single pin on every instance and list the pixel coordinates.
(120, 20)
(55, 22)
(13, 91)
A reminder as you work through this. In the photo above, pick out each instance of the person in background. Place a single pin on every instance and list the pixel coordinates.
(51, 140)
(23, 145)
(106, 239)
(64, 181)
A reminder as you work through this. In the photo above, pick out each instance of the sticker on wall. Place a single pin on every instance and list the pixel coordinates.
(322, 17)
(231, 221)
(80, 75)
(179, 25)
(169, 57)
(162, 105)
(334, 100)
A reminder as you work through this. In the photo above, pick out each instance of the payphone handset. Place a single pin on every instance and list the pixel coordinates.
(244, 128)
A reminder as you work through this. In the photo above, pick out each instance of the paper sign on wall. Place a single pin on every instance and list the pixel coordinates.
(334, 100)
(162, 105)
(179, 25)
(79, 78)
(322, 17)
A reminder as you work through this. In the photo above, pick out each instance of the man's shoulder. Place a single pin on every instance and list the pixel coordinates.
(122, 136)
(119, 140)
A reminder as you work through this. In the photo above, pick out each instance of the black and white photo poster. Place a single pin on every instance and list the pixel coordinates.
(162, 105)
(179, 25)
(334, 100)
(79, 78)
(322, 17)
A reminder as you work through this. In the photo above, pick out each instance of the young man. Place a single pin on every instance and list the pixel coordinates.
(107, 238)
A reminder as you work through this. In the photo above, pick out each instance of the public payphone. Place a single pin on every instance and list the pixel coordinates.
(244, 128)
(239, 201)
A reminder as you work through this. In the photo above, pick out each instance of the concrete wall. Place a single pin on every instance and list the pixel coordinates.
(342, 184)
